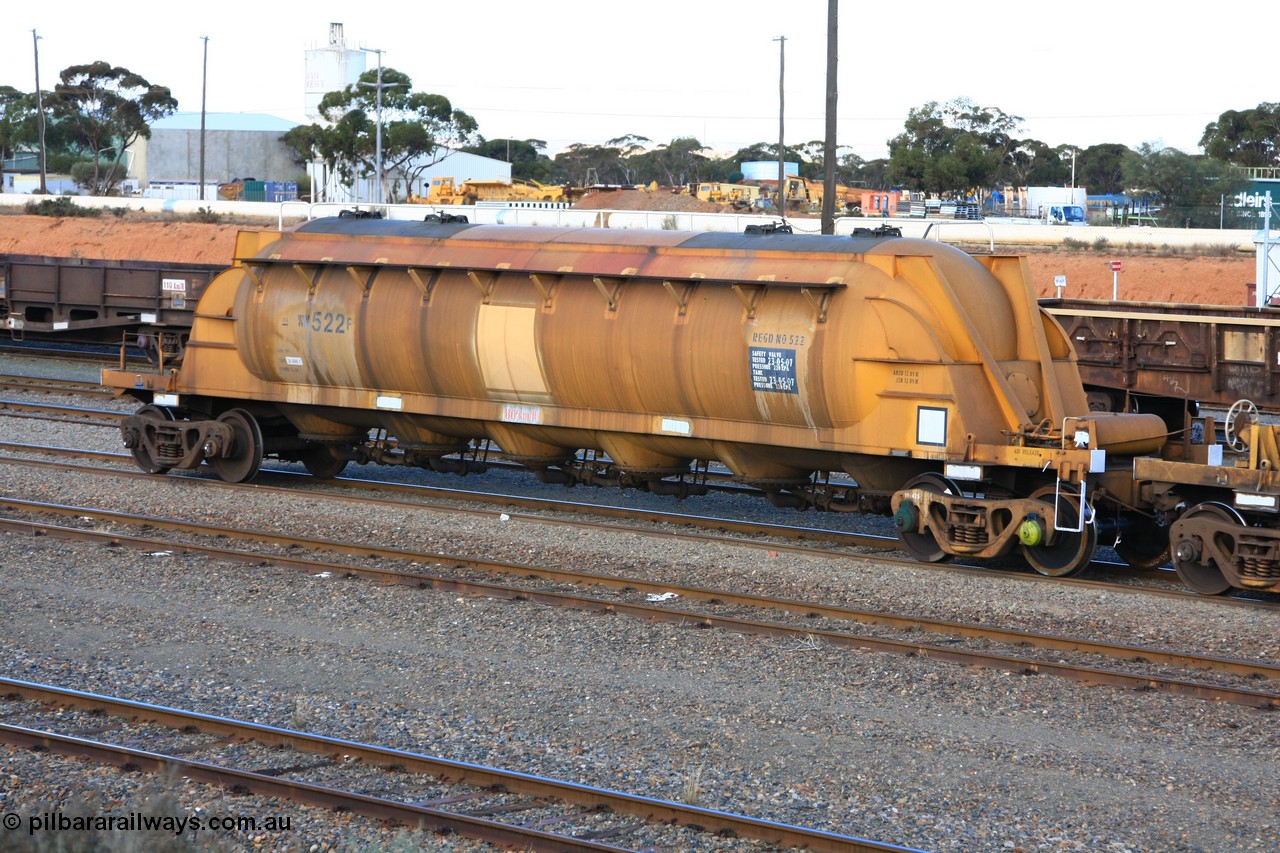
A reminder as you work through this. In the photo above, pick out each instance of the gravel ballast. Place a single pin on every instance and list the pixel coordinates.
(907, 750)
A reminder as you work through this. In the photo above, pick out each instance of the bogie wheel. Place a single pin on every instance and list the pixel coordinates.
(244, 457)
(1204, 579)
(924, 546)
(325, 461)
(1070, 552)
(1144, 544)
(140, 453)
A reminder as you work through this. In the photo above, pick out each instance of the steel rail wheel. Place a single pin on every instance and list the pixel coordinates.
(1203, 576)
(140, 453)
(1070, 552)
(243, 459)
(923, 546)
(1144, 544)
(324, 462)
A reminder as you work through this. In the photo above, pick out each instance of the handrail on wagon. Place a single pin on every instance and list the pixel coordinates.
(991, 231)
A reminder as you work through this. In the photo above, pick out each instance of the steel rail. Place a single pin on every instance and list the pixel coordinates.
(51, 352)
(807, 609)
(756, 528)
(1083, 674)
(103, 416)
(47, 384)
(752, 528)
(651, 809)
(303, 793)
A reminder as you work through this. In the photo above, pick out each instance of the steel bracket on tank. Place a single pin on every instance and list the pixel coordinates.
(365, 282)
(822, 300)
(255, 276)
(308, 277)
(681, 298)
(545, 288)
(484, 285)
(749, 300)
(425, 286)
(609, 289)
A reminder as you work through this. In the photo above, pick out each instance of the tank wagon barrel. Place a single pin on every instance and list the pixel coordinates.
(872, 373)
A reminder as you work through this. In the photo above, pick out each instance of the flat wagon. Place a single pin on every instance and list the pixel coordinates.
(95, 301)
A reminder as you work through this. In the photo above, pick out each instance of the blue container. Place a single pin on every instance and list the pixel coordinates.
(278, 191)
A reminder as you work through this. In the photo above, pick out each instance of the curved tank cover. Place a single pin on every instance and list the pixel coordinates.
(657, 344)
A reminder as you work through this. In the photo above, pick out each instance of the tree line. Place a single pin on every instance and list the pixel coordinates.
(954, 150)
(94, 113)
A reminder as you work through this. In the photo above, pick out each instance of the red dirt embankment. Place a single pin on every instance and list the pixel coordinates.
(1144, 277)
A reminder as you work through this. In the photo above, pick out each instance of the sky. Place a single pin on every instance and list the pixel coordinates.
(1078, 73)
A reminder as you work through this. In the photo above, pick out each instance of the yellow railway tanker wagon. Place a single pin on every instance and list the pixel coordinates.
(930, 378)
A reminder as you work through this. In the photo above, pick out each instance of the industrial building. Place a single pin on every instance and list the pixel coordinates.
(223, 147)
(236, 146)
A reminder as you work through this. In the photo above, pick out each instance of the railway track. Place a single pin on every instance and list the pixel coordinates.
(93, 355)
(106, 417)
(717, 483)
(801, 621)
(66, 414)
(1000, 703)
(503, 807)
(51, 385)
(766, 535)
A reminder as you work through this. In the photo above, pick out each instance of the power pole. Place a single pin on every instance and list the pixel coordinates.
(829, 143)
(204, 90)
(782, 151)
(44, 187)
(378, 131)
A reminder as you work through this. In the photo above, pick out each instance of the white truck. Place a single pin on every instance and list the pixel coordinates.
(1058, 205)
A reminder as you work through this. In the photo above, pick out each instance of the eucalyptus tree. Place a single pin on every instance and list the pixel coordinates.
(1249, 138)
(1188, 189)
(13, 113)
(952, 148)
(105, 109)
(416, 130)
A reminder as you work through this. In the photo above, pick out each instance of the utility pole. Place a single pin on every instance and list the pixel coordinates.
(204, 91)
(378, 129)
(829, 142)
(782, 151)
(44, 187)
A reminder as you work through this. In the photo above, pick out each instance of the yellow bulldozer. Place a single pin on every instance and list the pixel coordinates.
(447, 191)
(737, 195)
